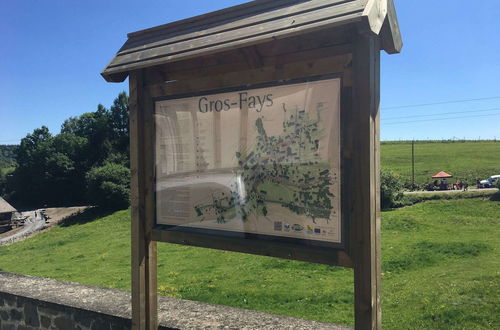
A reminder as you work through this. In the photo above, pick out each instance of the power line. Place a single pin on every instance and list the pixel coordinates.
(435, 119)
(441, 102)
(444, 113)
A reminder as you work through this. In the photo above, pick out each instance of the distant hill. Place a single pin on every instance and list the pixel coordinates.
(466, 160)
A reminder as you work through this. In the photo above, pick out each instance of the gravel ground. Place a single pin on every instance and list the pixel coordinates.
(35, 222)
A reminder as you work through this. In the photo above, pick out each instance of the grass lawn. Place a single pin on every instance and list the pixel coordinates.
(465, 160)
(441, 268)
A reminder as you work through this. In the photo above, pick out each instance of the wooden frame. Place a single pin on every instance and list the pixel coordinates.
(350, 48)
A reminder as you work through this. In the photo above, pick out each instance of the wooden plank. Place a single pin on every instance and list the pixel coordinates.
(213, 47)
(137, 249)
(390, 34)
(333, 41)
(246, 9)
(143, 249)
(148, 109)
(309, 55)
(376, 12)
(348, 133)
(192, 83)
(338, 41)
(239, 244)
(201, 27)
(365, 217)
(304, 42)
(254, 59)
(378, 224)
(277, 54)
(239, 36)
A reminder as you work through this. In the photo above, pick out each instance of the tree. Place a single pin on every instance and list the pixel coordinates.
(26, 185)
(119, 119)
(32, 144)
(109, 186)
(96, 128)
(7, 155)
(53, 170)
(119, 115)
(71, 145)
(391, 188)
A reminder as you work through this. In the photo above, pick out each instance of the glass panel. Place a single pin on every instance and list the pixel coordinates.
(259, 161)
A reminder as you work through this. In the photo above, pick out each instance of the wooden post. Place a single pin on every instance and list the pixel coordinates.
(365, 199)
(143, 249)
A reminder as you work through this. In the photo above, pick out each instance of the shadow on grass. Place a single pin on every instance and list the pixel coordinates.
(88, 215)
(495, 197)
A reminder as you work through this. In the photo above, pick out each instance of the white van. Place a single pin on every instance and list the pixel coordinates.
(490, 182)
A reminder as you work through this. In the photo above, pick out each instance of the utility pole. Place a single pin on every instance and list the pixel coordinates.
(413, 164)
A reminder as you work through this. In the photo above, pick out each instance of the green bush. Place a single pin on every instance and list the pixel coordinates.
(391, 187)
(108, 186)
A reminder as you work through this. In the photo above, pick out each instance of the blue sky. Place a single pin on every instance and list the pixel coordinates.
(53, 52)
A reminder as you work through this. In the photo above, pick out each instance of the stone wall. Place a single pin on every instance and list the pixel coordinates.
(18, 312)
(37, 303)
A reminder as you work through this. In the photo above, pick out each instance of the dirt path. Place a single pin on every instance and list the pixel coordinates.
(450, 191)
(35, 222)
(57, 214)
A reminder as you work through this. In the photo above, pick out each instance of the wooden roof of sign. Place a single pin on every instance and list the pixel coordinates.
(6, 207)
(250, 24)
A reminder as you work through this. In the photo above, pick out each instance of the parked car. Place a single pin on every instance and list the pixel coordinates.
(490, 182)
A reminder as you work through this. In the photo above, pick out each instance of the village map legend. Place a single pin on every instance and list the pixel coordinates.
(262, 161)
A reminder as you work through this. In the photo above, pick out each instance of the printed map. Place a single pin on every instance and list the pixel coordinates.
(263, 161)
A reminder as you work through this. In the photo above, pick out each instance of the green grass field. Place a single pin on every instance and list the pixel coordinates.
(465, 160)
(441, 268)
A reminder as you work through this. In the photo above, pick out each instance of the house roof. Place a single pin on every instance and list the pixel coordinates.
(6, 207)
(249, 24)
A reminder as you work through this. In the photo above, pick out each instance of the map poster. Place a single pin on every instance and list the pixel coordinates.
(252, 162)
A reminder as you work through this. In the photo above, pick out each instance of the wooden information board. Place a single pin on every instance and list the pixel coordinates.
(257, 129)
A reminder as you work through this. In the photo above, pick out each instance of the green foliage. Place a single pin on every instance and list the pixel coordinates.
(391, 188)
(96, 128)
(109, 186)
(32, 178)
(439, 260)
(7, 165)
(52, 170)
(120, 124)
(4, 173)
(7, 156)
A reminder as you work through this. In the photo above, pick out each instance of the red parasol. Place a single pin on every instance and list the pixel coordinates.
(442, 175)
